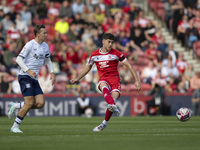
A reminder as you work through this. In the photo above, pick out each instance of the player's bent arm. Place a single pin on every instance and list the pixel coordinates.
(20, 62)
(48, 62)
(133, 72)
(131, 69)
(83, 73)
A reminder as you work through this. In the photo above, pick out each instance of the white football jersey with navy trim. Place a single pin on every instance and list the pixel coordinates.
(34, 55)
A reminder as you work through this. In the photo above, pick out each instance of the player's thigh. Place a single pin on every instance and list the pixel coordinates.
(102, 84)
(39, 100)
(115, 95)
(29, 101)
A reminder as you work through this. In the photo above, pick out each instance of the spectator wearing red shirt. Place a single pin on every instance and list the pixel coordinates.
(142, 21)
(13, 32)
(151, 51)
(181, 64)
(183, 25)
(72, 55)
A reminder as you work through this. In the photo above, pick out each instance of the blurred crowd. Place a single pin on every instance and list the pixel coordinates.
(75, 28)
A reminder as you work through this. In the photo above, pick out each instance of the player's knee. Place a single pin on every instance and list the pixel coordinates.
(29, 104)
(41, 104)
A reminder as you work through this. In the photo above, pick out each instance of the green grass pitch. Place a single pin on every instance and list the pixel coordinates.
(122, 133)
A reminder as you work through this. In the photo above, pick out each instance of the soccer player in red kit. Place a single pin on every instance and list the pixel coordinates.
(106, 60)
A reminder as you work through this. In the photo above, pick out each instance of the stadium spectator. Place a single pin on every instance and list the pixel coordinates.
(158, 94)
(150, 30)
(99, 16)
(162, 46)
(12, 13)
(181, 63)
(134, 11)
(5, 84)
(171, 86)
(189, 72)
(14, 33)
(104, 8)
(88, 49)
(151, 51)
(114, 8)
(52, 12)
(26, 15)
(138, 38)
(149, 73)
(65, 11)
(72, 34)
(84, 105)
(169, 70)
(196, 101)
(4, 6)
(44, 81)
(72, 55)
(13, 68)
(195, 81)
(183, 85)
(9, 54)
(182, 28)
(170, 50)
(31, 7)
(6, 23)
(159, 80)
(122, 41)
(21, 25)
(41, 9)
(77, 7)
(16, 86)
(142, 21)
(62, 26)
(96, 38)
(169, 6)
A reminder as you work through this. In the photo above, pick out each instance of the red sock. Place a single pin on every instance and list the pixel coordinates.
(108, 115)
(107, 96)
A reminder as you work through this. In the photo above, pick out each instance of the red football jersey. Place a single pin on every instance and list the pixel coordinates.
(106, 62)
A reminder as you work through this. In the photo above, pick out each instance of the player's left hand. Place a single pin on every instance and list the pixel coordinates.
(52, 78)
(138, 85)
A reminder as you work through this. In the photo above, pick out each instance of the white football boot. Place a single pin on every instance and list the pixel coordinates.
(12, 110)
(15, 130)
(99, 128)
(113, 108)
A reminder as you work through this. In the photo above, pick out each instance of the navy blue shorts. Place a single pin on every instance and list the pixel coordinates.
(29, 86)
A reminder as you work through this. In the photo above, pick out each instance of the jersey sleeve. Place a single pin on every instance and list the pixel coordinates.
(121, 57)
(26, 50)
(47, 55)
(91, 60)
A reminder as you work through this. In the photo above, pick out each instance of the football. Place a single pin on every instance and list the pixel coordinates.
(183, 114)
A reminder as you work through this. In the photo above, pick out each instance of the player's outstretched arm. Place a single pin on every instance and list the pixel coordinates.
(133, 72)
(82, 74)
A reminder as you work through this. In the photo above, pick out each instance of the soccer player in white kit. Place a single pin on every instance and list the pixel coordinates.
(32, 57)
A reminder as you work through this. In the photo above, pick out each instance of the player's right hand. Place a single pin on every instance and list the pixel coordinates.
(31, 73)
(73, 80)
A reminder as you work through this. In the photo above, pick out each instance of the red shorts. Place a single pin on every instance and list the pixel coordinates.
(112, 82)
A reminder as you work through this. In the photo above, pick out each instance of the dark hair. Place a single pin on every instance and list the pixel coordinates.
(108, 36)
(37, 28)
